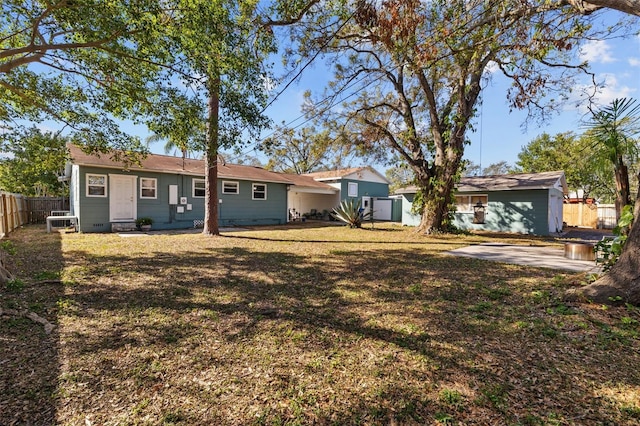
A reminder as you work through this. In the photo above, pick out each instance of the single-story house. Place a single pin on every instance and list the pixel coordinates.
(528, 203)
(105, 195)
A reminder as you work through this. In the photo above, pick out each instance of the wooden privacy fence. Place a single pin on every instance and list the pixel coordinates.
(589, 215)
(13, 212)
(41, 207)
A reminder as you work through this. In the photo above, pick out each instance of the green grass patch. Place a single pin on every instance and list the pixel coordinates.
(305, 325)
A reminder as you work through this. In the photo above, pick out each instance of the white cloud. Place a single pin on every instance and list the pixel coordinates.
(610, 87)
(634, 62)
(491, 68)
(597, 51)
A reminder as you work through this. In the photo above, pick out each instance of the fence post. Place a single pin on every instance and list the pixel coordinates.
(5, 214)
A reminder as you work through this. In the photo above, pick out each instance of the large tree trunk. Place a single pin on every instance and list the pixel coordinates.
(437, 201)
(211, 159)
(622, 283)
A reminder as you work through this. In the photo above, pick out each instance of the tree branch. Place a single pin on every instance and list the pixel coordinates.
(291, 20)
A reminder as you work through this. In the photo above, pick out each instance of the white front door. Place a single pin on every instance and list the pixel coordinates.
(122, 198)
(365, 205)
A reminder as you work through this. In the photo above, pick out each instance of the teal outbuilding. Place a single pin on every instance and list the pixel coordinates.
(107, 195)
(361, 184)
(528, 203)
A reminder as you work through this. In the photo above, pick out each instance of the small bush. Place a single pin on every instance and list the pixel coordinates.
(611, 248)
(141, 221)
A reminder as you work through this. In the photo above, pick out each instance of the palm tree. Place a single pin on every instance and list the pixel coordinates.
(170, 145)
(614, 130)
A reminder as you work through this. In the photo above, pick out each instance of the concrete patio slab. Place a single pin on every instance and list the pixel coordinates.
(537, 256)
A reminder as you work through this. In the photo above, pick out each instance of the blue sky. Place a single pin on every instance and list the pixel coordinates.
(500, 135)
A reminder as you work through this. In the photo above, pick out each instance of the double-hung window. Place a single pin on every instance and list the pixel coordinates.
(230, 187)
(259, 191)
(96, 185)
(149, 188)
(198, 188)
(352, 189)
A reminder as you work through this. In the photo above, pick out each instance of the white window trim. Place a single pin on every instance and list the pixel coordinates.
(469, 206)
(87, 185)
(193, 188)
(234, 182)
(155, 189)
(350, 185)
(253, 191)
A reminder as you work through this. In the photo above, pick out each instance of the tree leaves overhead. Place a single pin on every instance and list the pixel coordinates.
(420, 68)
(74, 62)
(33, 162)
(305, 150)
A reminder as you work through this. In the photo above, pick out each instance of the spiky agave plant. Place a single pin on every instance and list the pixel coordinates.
(350, 212)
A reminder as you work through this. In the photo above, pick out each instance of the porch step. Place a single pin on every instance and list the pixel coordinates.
(123, 226)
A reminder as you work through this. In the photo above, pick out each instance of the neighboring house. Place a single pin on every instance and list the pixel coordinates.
(523, 203)
(107, 196)
(359, 183)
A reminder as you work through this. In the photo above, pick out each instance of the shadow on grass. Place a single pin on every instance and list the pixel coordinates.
(328, 241)
(29, 357)
(444, 319)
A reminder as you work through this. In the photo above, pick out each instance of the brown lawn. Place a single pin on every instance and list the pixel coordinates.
(313, 325)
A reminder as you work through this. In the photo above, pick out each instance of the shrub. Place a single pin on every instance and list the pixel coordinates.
(609, 249)
(144, 221)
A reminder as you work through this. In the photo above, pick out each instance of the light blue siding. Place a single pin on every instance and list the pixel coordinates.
(241, 209)
(523, 211)
(93, 214)
(365, 189)
(235, 209)
(409, 218)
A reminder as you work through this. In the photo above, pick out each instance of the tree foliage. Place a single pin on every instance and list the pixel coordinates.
(499, 168)
(572, 154)
(399, 176)
(613, 131)
(224, 45)
(304, 151)
(469, 168)
(86, 64)
(420, 67)
(33, 162)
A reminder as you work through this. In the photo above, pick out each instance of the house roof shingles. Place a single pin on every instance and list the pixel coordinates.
(543, 180)
(335, 174)
(307, 181)
(511, 182)
(177, 165)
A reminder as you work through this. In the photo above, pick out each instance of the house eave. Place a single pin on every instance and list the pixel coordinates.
(179, 172)
(311, 190)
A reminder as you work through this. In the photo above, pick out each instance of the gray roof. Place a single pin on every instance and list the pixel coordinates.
(520, 181)
(511, 182)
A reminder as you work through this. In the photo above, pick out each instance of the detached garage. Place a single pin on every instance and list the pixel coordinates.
(528, 203)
